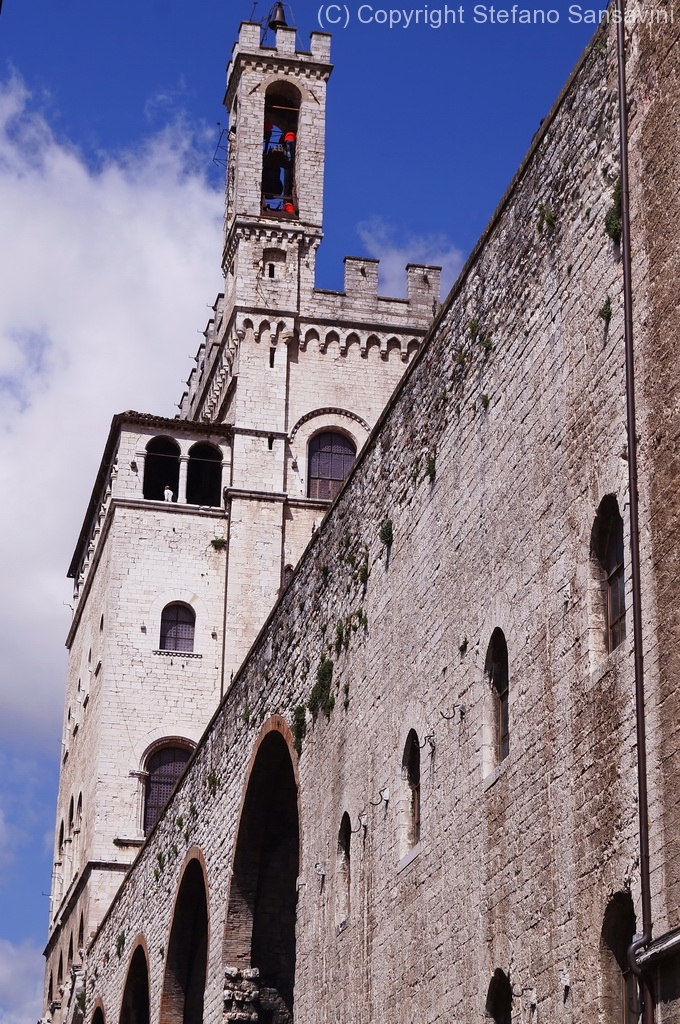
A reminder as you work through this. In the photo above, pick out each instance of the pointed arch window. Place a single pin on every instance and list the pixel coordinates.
(496, 668)
(619, 986)
(331, 457)
(178, 624)
(164, 767)
(607, 550)
(343, 872)
(410, 767)
(499, 998)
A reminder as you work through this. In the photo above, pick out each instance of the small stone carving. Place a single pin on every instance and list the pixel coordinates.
(241, 994)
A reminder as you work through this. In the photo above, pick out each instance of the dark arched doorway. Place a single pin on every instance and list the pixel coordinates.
(135, 1006)
(260, 929)
(184, 981)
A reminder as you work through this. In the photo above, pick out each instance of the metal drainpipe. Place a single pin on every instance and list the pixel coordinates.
(645, 938)
(228, 508)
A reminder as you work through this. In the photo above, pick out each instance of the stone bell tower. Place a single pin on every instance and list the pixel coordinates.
(196, 523)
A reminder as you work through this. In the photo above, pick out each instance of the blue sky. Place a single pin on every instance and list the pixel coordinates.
(110, 210)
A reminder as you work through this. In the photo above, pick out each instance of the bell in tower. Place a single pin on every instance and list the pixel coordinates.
(277, 17)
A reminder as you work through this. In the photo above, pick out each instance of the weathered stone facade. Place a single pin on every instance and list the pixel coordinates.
(208, 513)
(355, 818)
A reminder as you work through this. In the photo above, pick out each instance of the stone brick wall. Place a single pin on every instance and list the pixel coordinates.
(489, 463)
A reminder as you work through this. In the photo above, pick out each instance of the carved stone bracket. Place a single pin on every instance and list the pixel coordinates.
(241, 994)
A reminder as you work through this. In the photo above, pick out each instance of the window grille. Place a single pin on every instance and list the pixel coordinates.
(331, 456)
(164, 768)
(177, 628)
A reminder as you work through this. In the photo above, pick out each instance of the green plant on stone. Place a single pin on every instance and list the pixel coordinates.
(431, 466)
(212, 782)
(613, 224)
(299, 727)
(386, 533)
(219, 543)
(485, 402)
(605, 312)
(321, 698)
(473, 328)
(339, 636)
(546, 216)
(120, 944)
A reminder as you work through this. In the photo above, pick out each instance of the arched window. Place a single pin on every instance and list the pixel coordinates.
(331, 456)
(98, 1017)
(178, 622)
(50, 991)
(606, 550)
(343, 873)
(79, 812)
(69, 959)
(60, 971)
(499, 998)
(287, 575)
(619, 987)
(70, 817)
(410, 769)
(81, 932)
(60, 848)
(161, 468)
(280, 129)
(496, 668)
(204, 476)
(164, 767)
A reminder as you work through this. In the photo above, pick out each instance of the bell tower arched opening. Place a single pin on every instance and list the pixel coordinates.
(260, 928)
(281, 116)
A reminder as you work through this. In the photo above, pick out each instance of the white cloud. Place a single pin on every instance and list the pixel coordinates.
(394, 250)
(21, 982)
(106, 275)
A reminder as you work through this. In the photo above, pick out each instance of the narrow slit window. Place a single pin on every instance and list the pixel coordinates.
(608, 552)
(496, 669)
(411, 772)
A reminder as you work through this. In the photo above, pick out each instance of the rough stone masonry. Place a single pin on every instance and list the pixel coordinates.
(486, 886)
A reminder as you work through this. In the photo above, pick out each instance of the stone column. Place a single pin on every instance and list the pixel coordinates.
(182, 486)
